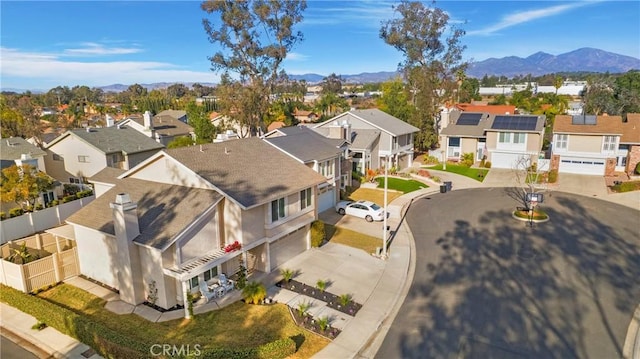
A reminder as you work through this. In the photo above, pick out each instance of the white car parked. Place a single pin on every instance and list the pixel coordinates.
(363, 209)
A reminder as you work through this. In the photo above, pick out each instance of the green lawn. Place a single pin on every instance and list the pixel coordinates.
(352, 239)
(477, 174)
(374, 195)
(626, 186)
(402, 185)
(238, 325)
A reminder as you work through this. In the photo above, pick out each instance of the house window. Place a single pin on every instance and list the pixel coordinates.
(116, 157)
(305, 198)
(83, 159)
(504, 137)
(561, 142)
(454, 147)
(57, 157)
(208, 274)
(277, 209)
(609, 143)
(519, 137)
(194, 282)
(326, 168)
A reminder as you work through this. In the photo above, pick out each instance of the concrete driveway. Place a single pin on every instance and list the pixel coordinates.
(360, 225)
(489, 286)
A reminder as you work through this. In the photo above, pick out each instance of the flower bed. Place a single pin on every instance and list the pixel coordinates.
(308, 322)
(333, 301)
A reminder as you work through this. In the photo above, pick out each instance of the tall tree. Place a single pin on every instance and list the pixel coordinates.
(627, 92)
(557, 83)
(255, 36)
(431, 61)
(199, 119)
(332, 84)
(23, 185)
(395, 99)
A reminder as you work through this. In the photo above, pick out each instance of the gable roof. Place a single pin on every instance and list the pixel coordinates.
(165, 125)
(248, 170)
(631, 129)
(491, 109)
(477, 130)
(514, 123)
(107, 175)
(113, 139)
(275, 125)
(377, 119)
(605, 125)
(305, 146)
(164, 210)
(486, 122)
(175, 114)
(13, 148)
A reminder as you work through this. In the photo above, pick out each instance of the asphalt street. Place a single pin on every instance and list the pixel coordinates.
(489, 286)
(11, 350)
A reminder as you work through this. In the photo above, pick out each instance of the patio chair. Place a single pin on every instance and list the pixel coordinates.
(226, 283)
(206, 293)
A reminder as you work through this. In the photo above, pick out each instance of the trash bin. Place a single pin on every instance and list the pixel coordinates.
(443, 188)
(448, 185)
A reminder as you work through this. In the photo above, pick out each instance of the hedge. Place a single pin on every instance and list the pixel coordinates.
(110, 343)
(318, 233)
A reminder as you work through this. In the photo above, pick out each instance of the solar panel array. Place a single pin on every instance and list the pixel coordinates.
(469, 119)
(518, 123)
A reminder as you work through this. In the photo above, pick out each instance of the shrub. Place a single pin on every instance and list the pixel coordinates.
(287, 274)
(637, 170)
(321, 284)
(53, 203)
(318, 233)
(39, 326)
(436, 179)
(303, 308)
(3, 216)
(15, 212)
(467, 159)
(70, 189)
(39, 206)
(345, 299)
(85, 193)
(424, 173)
(68, 198)
(356, 176)
(254, 292)
(487, 164)
(323, 323)
(431, 160)
(553, 176)
(279, 349)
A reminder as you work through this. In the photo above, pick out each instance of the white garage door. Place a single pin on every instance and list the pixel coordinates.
(585, 166)
(504, 160)
(326, 199)
(288, 247)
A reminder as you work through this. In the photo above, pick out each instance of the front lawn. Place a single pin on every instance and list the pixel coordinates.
(374, 195)
(237, 326)
(352, 239)
(626, 187)
(399, 184)
(477, 174)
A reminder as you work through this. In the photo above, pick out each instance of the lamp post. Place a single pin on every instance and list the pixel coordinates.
(384, 220)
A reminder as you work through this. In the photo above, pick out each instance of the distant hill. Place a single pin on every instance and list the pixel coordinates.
(581, 60)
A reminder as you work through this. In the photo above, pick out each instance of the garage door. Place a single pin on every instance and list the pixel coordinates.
(288, 247)
(504, 160)
(584, 166)
(326, 199)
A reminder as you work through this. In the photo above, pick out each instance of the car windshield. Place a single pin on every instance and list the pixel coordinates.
(375, 207)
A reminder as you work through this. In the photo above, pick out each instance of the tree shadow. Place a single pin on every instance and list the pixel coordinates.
(489, 286)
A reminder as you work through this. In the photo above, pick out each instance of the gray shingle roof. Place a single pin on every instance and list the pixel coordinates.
(305, 146)
(12, 148)
(175, 114)
(107, 175)
(248, 170)
(114, 139)
(166, 125)
(163, 210)
(453, 129)
(384, 121)
(362, 139)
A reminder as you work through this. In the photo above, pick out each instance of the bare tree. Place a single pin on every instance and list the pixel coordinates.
(530, 176)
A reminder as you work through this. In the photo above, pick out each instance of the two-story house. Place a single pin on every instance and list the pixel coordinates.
(374, 136)
(78, 154)
(589, 144)
(501, 139)
(166, 222)
(327, 156)
(164, 127)
(629, 149)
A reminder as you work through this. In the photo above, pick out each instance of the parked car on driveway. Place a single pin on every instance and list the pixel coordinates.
(363, 209)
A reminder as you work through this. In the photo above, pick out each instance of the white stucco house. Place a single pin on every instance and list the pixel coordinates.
(165, 223)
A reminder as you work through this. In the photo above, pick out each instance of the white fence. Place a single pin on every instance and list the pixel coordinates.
(33, 222)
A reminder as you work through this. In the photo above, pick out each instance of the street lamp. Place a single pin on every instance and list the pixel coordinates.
(384, 223)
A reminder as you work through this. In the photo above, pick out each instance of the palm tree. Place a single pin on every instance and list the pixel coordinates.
(254, 292)
(22, 254)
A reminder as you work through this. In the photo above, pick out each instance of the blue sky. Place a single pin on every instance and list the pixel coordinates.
(97, 43)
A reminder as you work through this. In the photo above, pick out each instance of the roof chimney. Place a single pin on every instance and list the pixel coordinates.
(125, 260)
(148, 123)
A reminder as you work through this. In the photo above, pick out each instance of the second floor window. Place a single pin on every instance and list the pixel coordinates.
(305, 198)
(277, 209)
(326, 168)
(83, 159)
(561, 142)
(609, 143)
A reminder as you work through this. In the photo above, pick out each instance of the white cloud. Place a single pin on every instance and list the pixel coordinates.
(364, 13)
(35, 70)
(95, 49)
(295, 56)
(526, 16)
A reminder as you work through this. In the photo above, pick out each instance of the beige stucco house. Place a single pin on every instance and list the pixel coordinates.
(164, 127)
(78, 154)
(165, 223)
(501, 139)
(595, 145)
(373, 136)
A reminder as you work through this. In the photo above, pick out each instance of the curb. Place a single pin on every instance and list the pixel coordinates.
(26, 344)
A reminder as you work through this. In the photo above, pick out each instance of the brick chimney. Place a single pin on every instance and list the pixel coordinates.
(126, 260)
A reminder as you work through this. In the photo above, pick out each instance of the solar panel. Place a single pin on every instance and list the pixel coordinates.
(469, 119)
(590, 119)
(518, 123)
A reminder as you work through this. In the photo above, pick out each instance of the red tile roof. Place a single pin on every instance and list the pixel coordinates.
(492, 109)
